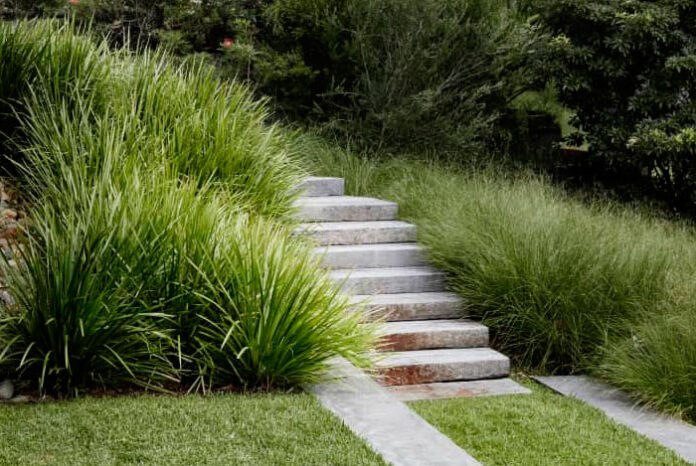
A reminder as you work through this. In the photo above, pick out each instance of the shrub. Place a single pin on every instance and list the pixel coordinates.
(268, 317)
(158, 252)
(412, 73)
(81, 316)
(393, 72)
(628, 68)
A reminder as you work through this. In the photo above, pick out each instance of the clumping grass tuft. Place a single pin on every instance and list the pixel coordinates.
(159, 251)
(657, 360)
(565, 285)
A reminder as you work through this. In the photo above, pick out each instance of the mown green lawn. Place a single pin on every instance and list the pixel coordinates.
(278, 429)
(540, 429)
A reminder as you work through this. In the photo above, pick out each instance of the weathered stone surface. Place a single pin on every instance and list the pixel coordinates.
(372, 255)
(344, 233)
(6, 389)
(6, 298)
(344, 209)
(441, 365)
(389, 280)
(442, 390)
(672, 433)
(315, 186)
(375, 258)
(410, 306)
(389, 426)
(432, 334)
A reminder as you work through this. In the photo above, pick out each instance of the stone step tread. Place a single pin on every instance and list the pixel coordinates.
(422, 326)
(341, 226)
(342, 201)
(379, 247)
(380, 280)
(438, 356)
(314, 186)
(440, 365)
(461, 389)
(372, 255)
(354, 233)
(407, 298)
(431, 334)
(409, 306)
(384, 272)
(344, 208)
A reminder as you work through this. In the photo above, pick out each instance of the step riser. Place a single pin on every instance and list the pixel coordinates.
(366, 258)
(316, 187)
(396, 284)
(446, 372)
(470, 338)
(347, 213)
(377, 235)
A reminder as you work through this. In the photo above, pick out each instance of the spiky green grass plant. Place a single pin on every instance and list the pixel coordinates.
(159, 252)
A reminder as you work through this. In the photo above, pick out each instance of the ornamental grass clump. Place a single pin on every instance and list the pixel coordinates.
(159, 252)
(553, 277)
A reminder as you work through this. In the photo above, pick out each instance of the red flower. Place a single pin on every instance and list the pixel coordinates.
(226, 43)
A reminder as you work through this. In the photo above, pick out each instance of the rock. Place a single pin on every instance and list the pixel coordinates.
(6, 298)
(6, 389)
(10, 214)
(9, 231)
(19, 399)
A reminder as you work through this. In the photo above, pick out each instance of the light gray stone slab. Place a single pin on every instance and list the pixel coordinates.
(372, 255)
(441, 365)
(389, 426)
(344, 209)
(443, 390)
(314, 186)
(389, 280)
(429, 334)
(338, 233)
(668, 431)
(410, 306)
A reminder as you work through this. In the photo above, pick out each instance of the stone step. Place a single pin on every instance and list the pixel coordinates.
(410, 306)
(346, 233)
(344, 209)
(315, 186)
(389, 280)
(471, 388)
(440, 365)
(432, 334)
(371, 255)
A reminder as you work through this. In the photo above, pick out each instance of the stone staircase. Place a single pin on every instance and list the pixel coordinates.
(427, 349)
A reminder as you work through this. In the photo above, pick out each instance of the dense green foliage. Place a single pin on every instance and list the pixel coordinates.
(157, 254)
(246, 430)
(412, 72)
(565, 285)
(628, 68)
(543, 428)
